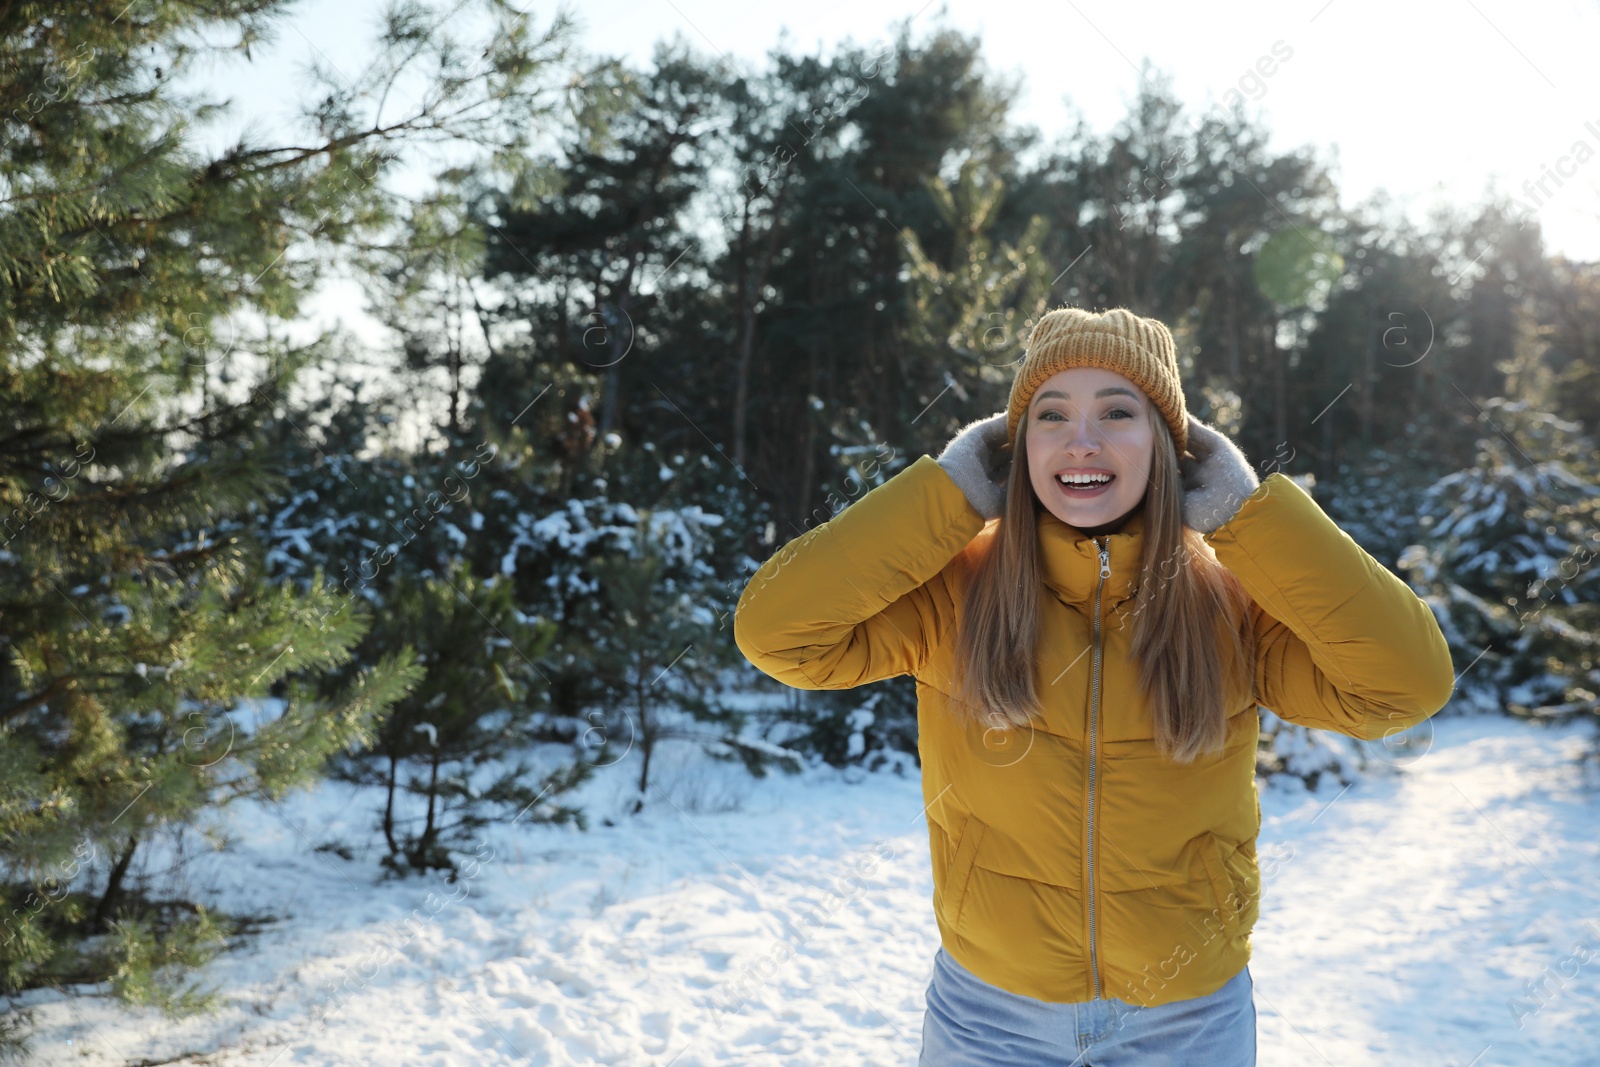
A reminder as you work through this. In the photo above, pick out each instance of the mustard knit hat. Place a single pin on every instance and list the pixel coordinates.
(1137, 348)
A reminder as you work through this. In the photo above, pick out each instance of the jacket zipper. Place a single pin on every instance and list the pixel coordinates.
(1094, 718)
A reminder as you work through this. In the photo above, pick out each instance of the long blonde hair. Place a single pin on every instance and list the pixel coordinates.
(1181, 591)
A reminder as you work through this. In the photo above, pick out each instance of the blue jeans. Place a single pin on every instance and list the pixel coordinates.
(970, 1023)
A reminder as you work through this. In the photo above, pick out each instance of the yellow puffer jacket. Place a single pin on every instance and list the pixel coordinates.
(1161, 904)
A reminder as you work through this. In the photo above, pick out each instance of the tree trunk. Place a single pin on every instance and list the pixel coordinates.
(808, 447)
(456, 365)
(433, 794)
(647, 742)
(748, 298)
(1330, 460)
(388, 809)
(113, 892)
(1367, 379)
(566, 322)
(618, 344)
(1280, 406)
(1233, 332)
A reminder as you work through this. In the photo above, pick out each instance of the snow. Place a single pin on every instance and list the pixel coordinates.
(1446, 911)
(584, 527)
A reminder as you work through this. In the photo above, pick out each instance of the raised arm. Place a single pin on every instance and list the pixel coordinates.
(1343, 644)
(866, 595)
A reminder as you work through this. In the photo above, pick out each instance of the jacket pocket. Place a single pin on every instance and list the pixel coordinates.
(1221, 885)
(960, 872)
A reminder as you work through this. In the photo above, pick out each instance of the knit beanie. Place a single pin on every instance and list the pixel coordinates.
(1137, 348)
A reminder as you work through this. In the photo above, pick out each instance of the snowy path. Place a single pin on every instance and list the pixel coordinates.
(1404, 921)
(1415, 920)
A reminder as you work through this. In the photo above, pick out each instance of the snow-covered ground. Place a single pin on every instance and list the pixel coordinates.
(1448, 914)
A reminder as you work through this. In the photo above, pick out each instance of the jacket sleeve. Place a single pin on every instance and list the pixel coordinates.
(1342, 643)
(865, 595)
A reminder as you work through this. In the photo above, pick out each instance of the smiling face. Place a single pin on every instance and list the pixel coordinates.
(1084, 424)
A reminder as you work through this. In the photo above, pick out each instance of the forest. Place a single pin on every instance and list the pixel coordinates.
(646, 324)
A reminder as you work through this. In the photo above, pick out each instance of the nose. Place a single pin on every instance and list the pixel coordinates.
(1082, 438)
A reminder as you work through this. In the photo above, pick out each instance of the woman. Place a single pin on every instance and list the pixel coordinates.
(1094, 592)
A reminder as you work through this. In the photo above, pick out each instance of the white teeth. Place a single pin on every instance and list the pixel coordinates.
(1083, 479)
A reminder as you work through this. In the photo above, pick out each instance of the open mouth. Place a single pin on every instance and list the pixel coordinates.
(1083, 486)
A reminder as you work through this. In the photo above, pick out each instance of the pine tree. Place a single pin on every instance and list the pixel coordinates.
(1509, 566)
(138, 623)
(610, 233)
(407, 533)
(655, 652)
(978, 308)
(455, 746)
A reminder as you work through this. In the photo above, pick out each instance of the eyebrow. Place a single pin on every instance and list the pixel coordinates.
(1110, 390)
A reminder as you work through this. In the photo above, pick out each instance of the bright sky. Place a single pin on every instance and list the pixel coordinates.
(1426, 99)
(1431, 100)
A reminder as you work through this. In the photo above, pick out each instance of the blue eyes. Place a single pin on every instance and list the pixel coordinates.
(1124, 412)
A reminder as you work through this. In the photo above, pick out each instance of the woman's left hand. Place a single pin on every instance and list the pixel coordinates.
(1216, 480)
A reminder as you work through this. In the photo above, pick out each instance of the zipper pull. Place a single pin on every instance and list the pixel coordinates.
(1105, 560)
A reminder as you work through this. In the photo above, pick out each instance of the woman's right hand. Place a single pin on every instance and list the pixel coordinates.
(978, 459)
